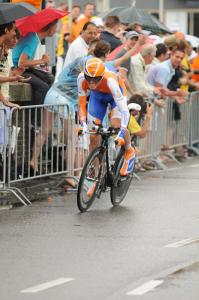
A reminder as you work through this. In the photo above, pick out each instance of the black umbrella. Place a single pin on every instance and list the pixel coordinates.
(10, 12)
(149, 22)
(112, 12)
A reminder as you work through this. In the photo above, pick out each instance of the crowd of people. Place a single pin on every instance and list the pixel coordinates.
(134, 65)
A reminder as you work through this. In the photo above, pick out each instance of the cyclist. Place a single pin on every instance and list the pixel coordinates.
(106, 89)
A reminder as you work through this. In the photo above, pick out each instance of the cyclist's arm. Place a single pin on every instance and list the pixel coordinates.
(120, 101)
(81, 98)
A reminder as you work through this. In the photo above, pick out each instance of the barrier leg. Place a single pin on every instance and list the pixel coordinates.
(16, 195)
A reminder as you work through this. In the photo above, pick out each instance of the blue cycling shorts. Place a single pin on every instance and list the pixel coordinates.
(98, 103)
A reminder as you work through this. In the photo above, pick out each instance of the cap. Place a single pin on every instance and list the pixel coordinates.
(97, 21)
(134, 106)
(131, 34)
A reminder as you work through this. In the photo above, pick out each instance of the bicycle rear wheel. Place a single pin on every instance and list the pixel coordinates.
(89, 180)
(121, 184)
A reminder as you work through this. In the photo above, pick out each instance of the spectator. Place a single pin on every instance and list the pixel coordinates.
(195, 67)
(66, 36)
(100, 25)
(7, 34)
(161, 74)
(138, 68)
(112, 25)
(50, 4)
(75, 13)
(136, 26)
(134, 127)
(161, 54)
(85, 17)
(35, 3)
(5, 66)
(80, 46)
(130, 42)
(23, 56)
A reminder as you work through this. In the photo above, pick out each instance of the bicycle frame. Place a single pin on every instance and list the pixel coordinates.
(104, 151)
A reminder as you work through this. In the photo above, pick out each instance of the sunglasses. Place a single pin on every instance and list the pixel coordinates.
(93, 79)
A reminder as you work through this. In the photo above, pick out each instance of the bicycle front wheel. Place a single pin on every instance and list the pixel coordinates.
(89, 180)
(121, 184)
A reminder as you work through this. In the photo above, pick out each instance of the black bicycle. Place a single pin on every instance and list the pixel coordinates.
(98, 174)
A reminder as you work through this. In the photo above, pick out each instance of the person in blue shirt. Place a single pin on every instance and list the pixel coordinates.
(23, 56)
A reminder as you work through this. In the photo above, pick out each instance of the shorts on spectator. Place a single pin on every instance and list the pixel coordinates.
(63, 106)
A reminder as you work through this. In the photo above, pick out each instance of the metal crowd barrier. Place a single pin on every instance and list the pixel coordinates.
(170, 128)
(194, 122)
(3, 145)
(178, 124)
(43, 141)
(149, 147)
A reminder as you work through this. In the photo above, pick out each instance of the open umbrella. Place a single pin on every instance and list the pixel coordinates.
(194, 40)
(41, 19)
(149, 22)
(112, 12)
(10, 12)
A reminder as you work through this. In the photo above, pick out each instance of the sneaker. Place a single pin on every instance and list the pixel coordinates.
(91, 190)
(129, 162)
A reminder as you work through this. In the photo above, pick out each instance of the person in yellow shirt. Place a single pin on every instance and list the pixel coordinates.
(137, 106)
(139, 110)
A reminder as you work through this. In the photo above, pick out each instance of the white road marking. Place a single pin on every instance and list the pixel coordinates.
(182, 243)
(181, 191)
(146, 287)
(47, 285)
(194, 166)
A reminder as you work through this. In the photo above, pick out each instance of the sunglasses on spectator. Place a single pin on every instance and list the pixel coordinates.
(93, 79)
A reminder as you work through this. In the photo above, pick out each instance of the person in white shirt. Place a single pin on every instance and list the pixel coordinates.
(138, 70)
(80, 45)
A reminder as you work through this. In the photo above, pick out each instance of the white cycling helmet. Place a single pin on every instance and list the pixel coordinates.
(134, 106)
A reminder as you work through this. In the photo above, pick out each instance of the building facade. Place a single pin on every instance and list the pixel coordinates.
(182, 15)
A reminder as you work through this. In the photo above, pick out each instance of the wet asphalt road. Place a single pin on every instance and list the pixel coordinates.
(107, 253)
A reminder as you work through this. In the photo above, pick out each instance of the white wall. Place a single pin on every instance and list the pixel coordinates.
(176, 20)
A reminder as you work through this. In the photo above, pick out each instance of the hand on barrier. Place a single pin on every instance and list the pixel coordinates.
(160, 103)
(181, 93)
(6, 102)
(180, 100)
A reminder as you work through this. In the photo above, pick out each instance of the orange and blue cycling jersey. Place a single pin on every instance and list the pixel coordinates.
(110, 91)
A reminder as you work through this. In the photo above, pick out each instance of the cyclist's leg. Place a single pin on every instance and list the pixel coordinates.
(96, 112)
(129, 155)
